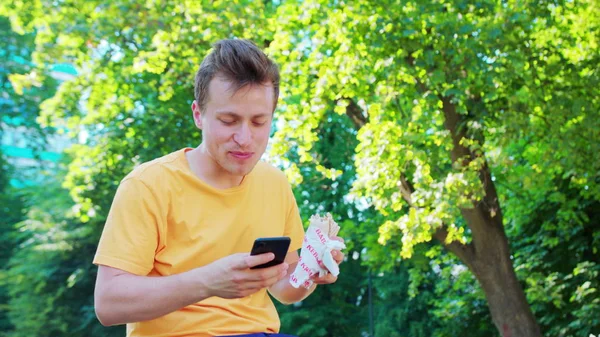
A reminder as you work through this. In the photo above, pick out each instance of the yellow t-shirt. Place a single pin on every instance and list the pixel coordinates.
(164, 220)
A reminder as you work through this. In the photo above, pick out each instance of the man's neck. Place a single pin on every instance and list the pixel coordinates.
(205, 167)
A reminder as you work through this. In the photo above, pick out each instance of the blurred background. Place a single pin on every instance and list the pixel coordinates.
(456, 143)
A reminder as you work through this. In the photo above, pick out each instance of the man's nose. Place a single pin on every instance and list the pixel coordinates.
(243, 136)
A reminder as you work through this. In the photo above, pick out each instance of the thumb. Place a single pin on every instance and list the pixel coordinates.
(249, 261)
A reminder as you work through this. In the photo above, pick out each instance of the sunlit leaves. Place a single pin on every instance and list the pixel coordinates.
(361, 125)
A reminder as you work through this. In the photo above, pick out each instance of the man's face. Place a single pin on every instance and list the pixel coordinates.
(235, 126)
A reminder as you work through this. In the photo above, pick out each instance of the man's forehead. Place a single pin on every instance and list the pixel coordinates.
(223, 97)
(223, 85)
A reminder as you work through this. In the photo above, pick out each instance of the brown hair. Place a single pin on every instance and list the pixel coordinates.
(239, 61)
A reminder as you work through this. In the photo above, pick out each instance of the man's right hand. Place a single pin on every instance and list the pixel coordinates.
(231, 276)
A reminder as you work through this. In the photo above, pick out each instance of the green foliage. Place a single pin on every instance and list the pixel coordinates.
(131, 111)
(23, 85)
(458, 303)
(336, 310)
(50, 277)
(364, 92)
(558, 258)
(12, 210)
(401, 62)
(22, 88)
(12, 205)
(518, 75)
(346, 311)
(401, 306)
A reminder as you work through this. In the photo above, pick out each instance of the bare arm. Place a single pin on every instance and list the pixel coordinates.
(121, 297)
(286, 294)
(283, 290)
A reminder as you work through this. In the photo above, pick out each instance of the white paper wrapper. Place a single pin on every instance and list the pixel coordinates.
(316, 251)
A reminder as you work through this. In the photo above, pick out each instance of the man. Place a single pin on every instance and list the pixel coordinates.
(173, 258)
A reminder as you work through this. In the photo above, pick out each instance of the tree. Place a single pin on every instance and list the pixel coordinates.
(343, 309)
(132, 106)
(50, 278)
(22, 87)
(12, 208)
(124, 101)
(458, 117)
(441, 93)
(23, 84)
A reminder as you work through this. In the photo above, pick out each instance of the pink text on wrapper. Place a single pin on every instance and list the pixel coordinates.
(314, 253)
(321, 237)
(306, 269)
(294, 279)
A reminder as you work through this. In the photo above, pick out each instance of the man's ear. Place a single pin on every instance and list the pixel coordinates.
(197, 114)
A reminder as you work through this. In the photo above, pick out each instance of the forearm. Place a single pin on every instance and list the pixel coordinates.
(130, 298)
(286, 294)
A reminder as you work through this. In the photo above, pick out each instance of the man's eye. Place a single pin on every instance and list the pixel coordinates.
(259, 123)
(227, 122)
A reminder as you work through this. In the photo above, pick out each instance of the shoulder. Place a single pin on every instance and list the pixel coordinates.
(152, 172)
(274, 181)
(266, 171)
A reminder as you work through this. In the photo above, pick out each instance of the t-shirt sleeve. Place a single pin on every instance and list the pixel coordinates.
(131, 234)
(293, 223)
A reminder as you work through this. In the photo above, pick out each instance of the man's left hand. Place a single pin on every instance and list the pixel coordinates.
(338, 257)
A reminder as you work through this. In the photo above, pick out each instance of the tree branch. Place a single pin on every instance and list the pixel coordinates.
(406, 190)
(464, 252)
(487, 212)
(356, 114)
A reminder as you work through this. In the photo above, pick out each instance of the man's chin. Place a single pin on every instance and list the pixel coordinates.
(242, 170)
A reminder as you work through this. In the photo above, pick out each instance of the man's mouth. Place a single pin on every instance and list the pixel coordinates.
(241, 155)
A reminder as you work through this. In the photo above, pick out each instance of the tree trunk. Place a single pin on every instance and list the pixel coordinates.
(493, 269)
(488, 255)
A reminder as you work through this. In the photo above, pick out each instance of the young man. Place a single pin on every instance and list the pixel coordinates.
(174, 255)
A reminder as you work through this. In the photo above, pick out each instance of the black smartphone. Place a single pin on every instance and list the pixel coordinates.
(277, 245)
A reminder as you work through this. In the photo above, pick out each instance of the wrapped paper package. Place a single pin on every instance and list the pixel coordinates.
(315, 256)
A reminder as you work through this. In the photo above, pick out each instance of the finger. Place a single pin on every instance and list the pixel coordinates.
(267, 273)
(325, 279)
(266, 281)
(248, 261)
(338, 256)
(337, 238)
